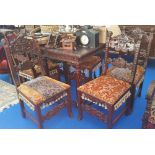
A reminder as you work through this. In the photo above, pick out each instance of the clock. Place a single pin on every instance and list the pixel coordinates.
(87, 38)
(84, 39)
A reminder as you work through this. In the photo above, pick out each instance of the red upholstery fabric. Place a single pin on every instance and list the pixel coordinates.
(3, 66)
(2, 54)
(105, 88)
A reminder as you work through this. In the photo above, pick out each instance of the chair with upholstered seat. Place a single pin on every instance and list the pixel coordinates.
(119, 64)
(25, 52)
(107, 92)
(39, 93)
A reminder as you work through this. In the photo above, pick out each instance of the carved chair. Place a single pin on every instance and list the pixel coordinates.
(107, 92)
(119, 63)
(38, 93)
(43, 38)
(25, 51)
(148, 121)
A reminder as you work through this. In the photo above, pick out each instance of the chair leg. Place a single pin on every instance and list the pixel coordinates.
(94, 75)
(128, 110)
(38, 112)
(79, 102)
(66, 72)
(22, 108)
(140, 90)
(58, 74)
(109, 119)
(131, 101)
(100, 70)
(90, 75)
(69, 103)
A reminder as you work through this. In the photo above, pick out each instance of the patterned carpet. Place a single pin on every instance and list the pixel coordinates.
(8, 96)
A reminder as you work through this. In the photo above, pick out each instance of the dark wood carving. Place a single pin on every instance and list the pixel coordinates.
(54, 111)
(95, 112)
(109, 118)
(37, 108)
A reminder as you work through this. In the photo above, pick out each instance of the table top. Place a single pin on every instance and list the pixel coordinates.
(77, 54)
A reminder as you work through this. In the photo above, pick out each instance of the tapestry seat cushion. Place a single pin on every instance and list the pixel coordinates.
(41, 89)
(125, 73)
(90, 62)
(105, 88)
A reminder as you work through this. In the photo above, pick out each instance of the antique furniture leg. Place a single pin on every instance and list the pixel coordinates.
(78, 75)
(94, 75)
(109, 118)
(80, 110)
(78, 79)
(22, 108)
(58, 74)
(69, 103)
(90, 75)
(131, 104)
(128, 103)
(66, 72)
(101, 70)
(38, 112)
(140, 89)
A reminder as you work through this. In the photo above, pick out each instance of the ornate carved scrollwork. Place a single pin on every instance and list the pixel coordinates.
(54, 111)
(95, 112)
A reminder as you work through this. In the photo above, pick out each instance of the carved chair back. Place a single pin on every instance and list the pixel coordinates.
(145, 49)
(123, 67)
(18, 54)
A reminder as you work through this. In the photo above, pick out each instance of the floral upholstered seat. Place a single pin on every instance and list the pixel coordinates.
(105, 88)
(107, 92)
(41, 89)
(127, 73)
